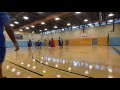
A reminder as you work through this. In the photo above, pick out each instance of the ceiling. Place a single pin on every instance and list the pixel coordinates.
(72, 17)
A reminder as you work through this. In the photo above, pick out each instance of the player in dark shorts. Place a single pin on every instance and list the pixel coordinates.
(5, 22)
(49, 44)
(39, 44)
(59, 42)
(29, 44)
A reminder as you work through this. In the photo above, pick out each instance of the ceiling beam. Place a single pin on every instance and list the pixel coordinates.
(59, 14)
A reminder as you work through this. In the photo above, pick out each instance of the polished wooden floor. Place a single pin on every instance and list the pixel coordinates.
(69, 62)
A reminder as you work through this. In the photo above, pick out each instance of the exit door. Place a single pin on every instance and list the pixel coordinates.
(94, 41)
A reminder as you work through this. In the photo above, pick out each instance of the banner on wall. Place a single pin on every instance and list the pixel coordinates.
(19, 36)
(83, 35)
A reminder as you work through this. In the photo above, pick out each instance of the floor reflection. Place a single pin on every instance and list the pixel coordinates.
(89, 61)
(77, 63)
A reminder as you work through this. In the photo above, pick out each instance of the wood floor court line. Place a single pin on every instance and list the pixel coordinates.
(100, 62)
(116, 50)
(63, 70)
(24, 68)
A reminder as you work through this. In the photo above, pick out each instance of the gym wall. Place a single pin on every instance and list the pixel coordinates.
(100, 32)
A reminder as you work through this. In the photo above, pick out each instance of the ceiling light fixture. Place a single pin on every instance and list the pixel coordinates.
(42, 23)
(68, 24)
(12, 25)
(21, 30)
(77, 12)
(25, 17)
(32, 26)
(16, 22)
(85, 20)
(27, 27)
(45, 29)
(111, 14)
(55, 26)
(57, 18)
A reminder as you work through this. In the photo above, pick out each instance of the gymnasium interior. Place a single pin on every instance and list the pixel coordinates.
(91, 45)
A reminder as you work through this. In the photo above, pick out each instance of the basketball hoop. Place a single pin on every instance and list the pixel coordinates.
(83, 35)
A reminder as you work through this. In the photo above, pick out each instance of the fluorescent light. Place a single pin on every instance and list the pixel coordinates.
(77, 12)
(16, 22)
(111, 14)
(57, 18)
(25, 17)
(27, 27)
(86, 20)
(11, 25)
(55, 26)
(40, 30)
(45, 28)
(21, 30)
(62, 29)
(68, 24)
(32, 26)
(42, 23)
